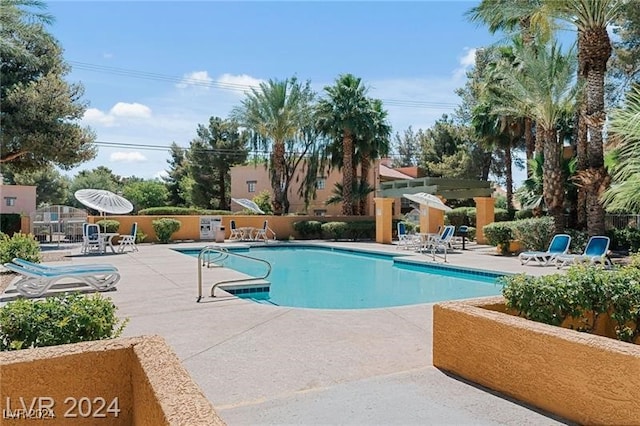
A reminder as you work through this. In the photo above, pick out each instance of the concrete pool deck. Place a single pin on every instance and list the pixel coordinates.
(263, 364)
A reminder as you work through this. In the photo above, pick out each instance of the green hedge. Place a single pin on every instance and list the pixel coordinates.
(181, 211)
(308, 229)
(627, 239)
(365, 230)
(10, 223)
(108, 225)
(583, 294)
(499, 234)
(27, 323)
(467, 216)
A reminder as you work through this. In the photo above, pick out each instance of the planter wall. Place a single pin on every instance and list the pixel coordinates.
(80, 382)
(581, 377)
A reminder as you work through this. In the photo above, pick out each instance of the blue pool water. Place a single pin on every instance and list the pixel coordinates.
(317, 277)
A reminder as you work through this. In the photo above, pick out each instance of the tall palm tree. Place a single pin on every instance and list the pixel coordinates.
(591, 18)
(275, 112)
(344, 115)
(375, 147)
(545, 91)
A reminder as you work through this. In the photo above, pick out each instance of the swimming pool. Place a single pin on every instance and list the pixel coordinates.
(331, 278)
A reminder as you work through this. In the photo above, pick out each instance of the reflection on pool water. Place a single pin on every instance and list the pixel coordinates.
(330, 278)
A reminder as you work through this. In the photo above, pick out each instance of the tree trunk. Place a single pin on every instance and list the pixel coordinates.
(596, 48)
(529, 143)
(509, 179)
(347, 175)
(276, 177)
(223, 189)
(552, 181)
(364, 170)
(582, 159)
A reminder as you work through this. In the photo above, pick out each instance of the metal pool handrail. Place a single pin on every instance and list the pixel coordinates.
(222, 254)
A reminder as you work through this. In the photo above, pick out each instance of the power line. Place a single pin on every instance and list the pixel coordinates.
(145, 75)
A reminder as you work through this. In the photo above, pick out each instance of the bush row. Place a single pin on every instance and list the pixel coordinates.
(467, 216)
(181, 211)
(310, 229)
(580, 297)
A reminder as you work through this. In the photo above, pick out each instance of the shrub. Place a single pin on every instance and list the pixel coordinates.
(362, 230)
(460, 216)
(263, 200)
(524, 214)
(164, 228)
(501, 215)
(535, 233)
(19, 245)
(181, 211)
(108, 225)
(26, 323)
(625, 239)
(308, 229)
(499, 234)
(140, 236)
(9, 223)
(578, 240)
(582, 295)
(334, 230)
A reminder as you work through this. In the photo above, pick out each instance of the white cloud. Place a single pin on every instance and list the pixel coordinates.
(161, 174)
(107, 55)
(127, 157)
(133, 110)
(238, 83)
(196, 79)
(466, 61)
(95, 116)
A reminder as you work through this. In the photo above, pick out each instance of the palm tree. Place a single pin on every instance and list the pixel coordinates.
(373, 148)
(625, 125)
(545, 91)
(275, 113)
(591, 18)
(344, 116)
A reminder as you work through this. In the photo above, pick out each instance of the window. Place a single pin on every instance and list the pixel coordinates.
(320, 212)
(251, 185)
(10, 201)
(320, 183)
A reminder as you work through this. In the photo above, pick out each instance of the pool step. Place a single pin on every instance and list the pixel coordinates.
(245, 288)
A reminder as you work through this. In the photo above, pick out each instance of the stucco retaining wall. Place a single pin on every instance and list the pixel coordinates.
(581, 377)
(81, 381)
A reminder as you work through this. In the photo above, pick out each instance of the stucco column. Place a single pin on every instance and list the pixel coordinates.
(384, 219)
(484, 216)
(25, 224)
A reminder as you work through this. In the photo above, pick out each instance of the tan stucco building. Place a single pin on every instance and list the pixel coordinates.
(19, 199)
(249, 181)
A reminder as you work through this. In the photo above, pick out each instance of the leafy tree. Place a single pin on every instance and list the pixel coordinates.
(218, 147)
(99, 178)
(145, 194)
(40, 109)
(51, 186)
(276, 114)
(345, 116)
(178, 170)
(263, 200)
(406, 147)
(624, 66)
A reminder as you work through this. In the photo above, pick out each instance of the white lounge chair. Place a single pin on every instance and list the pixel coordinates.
(441, 242)
(559, 245)
(34, 283)
(595, 252)
(236, 234)
(40, 267)
(129, 240)
(263, 233)
(406, 240)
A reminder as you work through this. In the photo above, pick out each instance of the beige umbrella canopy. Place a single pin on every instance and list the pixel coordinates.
(104, 201)
(428, 200)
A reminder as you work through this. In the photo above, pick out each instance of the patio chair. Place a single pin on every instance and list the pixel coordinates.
(129, 240)
(441, 242)
(235, 232)
(559, 245)
(263, 233)
(91, 239)
(34, 283)
(595, 252)
(406, 240)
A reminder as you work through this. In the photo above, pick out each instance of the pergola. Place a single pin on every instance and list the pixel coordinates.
(446, 189)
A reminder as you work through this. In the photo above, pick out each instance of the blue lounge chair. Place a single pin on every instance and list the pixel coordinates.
(441, 242)
(559, 245)
(406, 240)
(129, 240)
(35, 282)
(595, 252)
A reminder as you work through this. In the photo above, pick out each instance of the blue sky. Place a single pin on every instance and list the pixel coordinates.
(153, 71)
